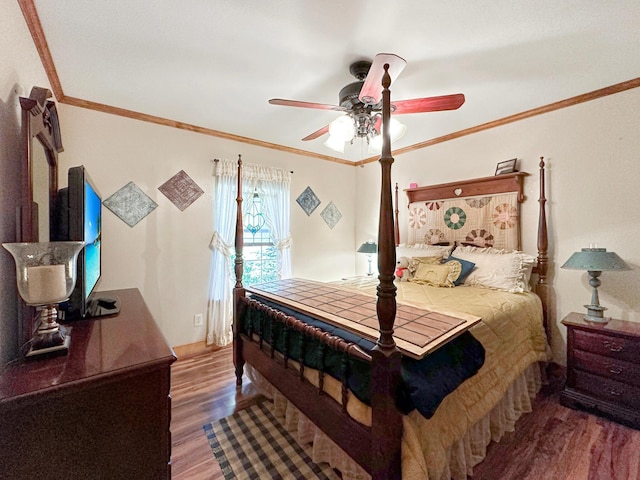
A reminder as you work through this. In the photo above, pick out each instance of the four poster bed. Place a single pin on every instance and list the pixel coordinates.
(463, 363)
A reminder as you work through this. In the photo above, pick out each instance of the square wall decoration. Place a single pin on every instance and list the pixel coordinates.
(308, 201)
(181, 190)
(331, 215)
(130, 204)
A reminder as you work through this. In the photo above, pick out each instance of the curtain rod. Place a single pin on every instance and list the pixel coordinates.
(216, 160)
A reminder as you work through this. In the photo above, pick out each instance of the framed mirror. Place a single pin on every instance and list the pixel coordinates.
(41, 144)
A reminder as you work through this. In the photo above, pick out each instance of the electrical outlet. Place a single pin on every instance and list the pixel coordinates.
(198, 320)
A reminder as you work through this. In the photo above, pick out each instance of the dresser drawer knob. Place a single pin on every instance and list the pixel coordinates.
(615, 369)
(613, 346)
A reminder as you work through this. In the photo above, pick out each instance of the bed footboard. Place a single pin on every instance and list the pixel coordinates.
(258, 349)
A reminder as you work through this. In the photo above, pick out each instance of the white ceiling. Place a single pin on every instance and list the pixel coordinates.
(215, 64)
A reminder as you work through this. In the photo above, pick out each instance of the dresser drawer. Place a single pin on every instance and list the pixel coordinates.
(607, 389)
(610, 346)
(608, 367)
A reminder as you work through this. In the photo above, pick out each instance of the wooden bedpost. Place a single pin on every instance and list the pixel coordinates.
(386, 422)
(542, 287)
(396, 224)
(238, 291)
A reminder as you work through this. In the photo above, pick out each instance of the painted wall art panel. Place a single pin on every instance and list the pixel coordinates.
(331, 215)
(181, 190)
(308, 201)
(130, 204)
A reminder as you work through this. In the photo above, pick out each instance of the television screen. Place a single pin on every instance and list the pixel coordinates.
(79, 218)
(92, 227)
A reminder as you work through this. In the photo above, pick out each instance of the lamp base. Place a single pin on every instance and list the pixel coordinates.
(51, 337)
(595, 313)
(58, 346)
(56, 343)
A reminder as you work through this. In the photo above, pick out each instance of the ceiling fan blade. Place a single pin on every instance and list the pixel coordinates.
(317, 133)
(371, 92)
(296, 103)
(429, 104)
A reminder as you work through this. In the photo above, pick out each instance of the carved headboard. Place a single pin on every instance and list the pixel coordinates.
(482, 211)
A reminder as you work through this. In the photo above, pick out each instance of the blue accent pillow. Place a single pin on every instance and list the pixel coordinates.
(467, 267)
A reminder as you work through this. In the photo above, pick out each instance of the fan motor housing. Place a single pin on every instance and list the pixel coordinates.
(348, 95)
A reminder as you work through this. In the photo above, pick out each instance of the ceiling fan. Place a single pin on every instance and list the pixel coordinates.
(361, 103)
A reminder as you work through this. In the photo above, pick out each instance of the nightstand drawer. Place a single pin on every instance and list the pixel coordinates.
(608, 367)
(610, 346)
(606, 389)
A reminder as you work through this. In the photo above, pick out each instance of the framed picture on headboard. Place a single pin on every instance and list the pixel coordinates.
(508, 166)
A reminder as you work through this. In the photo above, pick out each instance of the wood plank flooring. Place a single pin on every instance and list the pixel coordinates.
(553, 443)
(203, 388)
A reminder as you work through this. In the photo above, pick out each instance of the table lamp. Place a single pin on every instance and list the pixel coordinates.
(46, 276)
(595, 261)
(370, 248)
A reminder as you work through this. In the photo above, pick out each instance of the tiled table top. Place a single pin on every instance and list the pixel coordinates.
(416, 331)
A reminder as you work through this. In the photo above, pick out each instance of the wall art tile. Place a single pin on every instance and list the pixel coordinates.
(331, 215)
(181, 190)
(130, 204)
(308, 201)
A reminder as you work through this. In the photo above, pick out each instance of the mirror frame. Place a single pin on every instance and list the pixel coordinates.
(39, 121)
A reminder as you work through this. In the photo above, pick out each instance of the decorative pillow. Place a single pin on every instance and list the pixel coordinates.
(464, 271)
(497, 269)
(433, 274)
(415, 261)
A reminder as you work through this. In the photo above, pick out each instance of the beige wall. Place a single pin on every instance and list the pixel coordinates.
(592, 152)
(166, 255)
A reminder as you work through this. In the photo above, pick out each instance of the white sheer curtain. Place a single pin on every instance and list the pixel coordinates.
(273, 186)
(220, 307)
(274, 190)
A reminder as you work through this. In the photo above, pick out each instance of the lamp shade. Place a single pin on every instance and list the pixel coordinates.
(595, 259)
(368, 247)
(335, 143)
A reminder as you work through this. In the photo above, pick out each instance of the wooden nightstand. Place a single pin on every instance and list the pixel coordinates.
(603, 368)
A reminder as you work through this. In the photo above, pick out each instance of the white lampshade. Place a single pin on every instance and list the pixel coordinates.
(342, 128)
(396, 132)
(335, 143)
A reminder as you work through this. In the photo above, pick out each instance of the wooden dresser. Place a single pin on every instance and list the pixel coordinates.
(101, 412)
(603, 368)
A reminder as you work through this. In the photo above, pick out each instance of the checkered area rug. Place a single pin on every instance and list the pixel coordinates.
(253, 444)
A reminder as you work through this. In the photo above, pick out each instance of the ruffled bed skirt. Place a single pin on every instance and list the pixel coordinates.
(462, 456)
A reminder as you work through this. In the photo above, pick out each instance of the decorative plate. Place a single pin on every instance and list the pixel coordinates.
(130, 204)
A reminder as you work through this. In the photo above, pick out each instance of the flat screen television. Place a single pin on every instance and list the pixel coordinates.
(79, 218)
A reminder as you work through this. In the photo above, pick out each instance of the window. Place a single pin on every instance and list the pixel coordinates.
(260, 255)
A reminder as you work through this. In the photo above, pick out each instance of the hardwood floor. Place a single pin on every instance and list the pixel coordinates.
(203, 388)
(553, 443)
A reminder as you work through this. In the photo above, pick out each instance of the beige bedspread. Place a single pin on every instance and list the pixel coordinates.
(513, 336)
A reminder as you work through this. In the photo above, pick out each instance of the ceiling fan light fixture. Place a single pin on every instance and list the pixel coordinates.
(397, 129)
(342, 128)
(396, 132)
(335, 143)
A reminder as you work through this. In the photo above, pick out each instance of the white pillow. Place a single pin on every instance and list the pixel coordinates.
(423, 250)
(498, 269)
